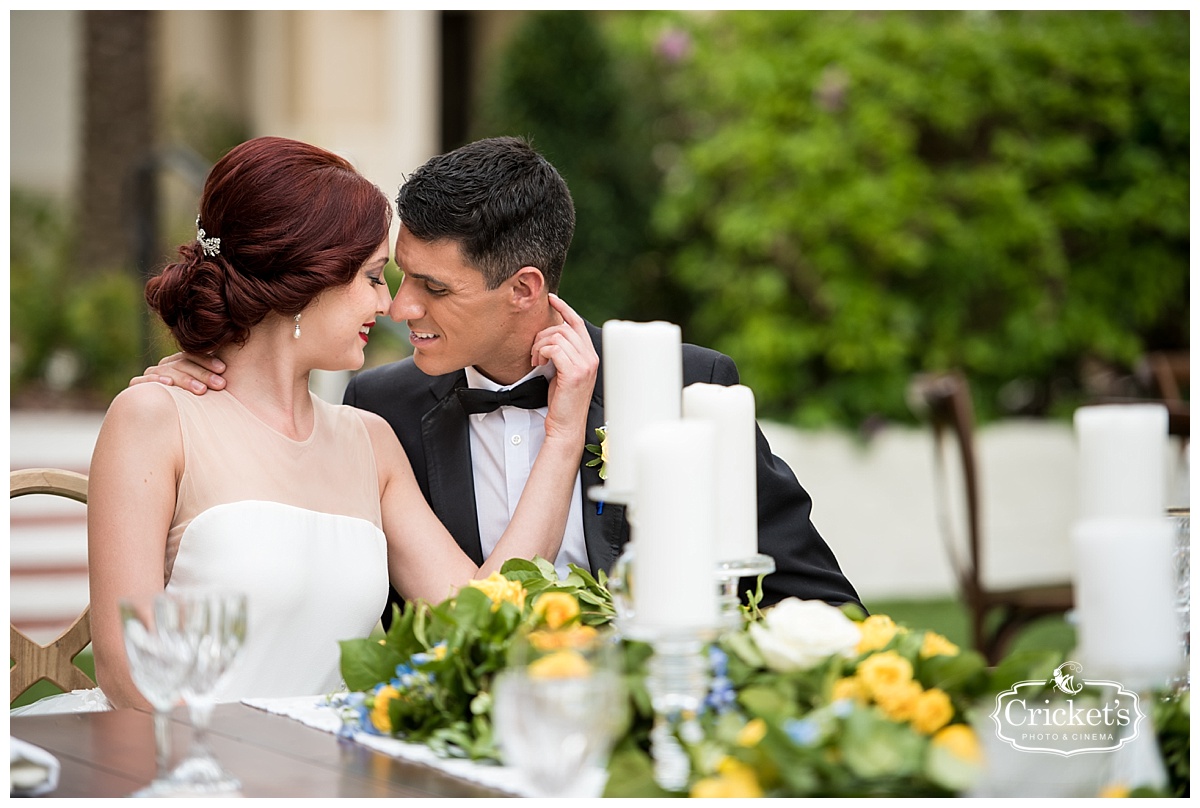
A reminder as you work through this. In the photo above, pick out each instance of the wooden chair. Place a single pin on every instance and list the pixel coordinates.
(1167, 374)
(33, 662)
(996, 615)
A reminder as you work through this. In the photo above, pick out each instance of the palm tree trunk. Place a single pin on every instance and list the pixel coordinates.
(118, 136)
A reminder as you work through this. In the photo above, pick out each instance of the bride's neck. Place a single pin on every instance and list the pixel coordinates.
(265, 377)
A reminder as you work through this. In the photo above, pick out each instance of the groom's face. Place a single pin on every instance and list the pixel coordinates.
(454, 320)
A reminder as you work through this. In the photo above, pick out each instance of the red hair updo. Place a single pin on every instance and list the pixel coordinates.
(293, 220)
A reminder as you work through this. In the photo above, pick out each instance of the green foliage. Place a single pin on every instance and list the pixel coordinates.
(855, 197)
(90, 322)
(1172, 714)
(105, 317)
(440, 660)
(40, 259)
(558, 84)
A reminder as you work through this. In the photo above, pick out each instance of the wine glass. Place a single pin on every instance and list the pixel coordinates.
(160, 656)
(558, 710)
(216, 628)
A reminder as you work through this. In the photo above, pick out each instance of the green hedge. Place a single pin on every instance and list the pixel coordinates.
(860, 196)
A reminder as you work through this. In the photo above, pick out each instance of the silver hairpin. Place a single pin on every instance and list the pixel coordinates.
(211, 246)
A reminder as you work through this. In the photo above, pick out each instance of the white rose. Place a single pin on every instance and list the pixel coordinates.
(799, 634)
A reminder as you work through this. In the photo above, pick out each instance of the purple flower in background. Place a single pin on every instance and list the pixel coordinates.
(674, 45)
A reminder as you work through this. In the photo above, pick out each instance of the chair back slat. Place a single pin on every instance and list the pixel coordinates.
(32, 661)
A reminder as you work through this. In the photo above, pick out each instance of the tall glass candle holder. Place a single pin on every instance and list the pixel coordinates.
(728, 574)
(677, 678)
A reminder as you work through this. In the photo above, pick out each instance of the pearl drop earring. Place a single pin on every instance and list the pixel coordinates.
(296, 333)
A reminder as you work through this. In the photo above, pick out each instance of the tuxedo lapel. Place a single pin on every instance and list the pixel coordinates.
(603, 527)
(447, 442)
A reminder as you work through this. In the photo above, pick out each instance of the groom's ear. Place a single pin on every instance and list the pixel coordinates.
(528, 287)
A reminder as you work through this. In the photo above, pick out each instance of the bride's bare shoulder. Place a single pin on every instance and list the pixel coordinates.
(380, 431)
(143, 401)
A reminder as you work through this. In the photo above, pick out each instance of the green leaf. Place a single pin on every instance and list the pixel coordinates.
(365, 663)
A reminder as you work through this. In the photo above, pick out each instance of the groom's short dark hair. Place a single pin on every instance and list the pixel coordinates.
(504, 204)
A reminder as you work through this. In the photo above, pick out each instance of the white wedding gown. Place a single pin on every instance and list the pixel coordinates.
(294, 524)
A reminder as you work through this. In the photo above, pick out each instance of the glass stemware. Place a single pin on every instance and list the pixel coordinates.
(160, 656)
(558, 710)
(216, 628)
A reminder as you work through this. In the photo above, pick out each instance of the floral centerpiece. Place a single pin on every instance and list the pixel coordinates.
(429, 679)
(805, 699)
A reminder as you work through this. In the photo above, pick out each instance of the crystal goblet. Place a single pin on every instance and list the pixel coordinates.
(559, 709)
(216, 627)
(160, 655)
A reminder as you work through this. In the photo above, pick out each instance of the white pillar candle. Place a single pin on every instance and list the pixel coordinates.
(643, 383)
(674, 531)
(1125, 588)
(1123, 547)
(1122, 460)
(731, 409)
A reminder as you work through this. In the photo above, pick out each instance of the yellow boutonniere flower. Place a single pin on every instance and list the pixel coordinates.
(599, 449)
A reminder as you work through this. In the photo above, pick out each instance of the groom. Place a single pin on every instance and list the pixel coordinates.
(483, 238)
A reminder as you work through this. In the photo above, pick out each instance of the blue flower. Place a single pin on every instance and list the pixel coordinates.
(721, 695)
(426, 657)
(842, 707)
(718, 660)
(803, 731)
(351, 709)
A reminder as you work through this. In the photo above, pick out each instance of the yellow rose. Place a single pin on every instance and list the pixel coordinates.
(379, 711)
(955, 760)
(937, 645)
(574, 637)
(499, 589)
(565, 664)
(884, 670)
(960, 740)
(754, 731)
(556, 608)
(898, 700)
(733, 779)
(932, 711)
(848, 687)
(877, 631)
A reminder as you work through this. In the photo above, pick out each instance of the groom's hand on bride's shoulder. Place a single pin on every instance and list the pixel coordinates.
(189, 371)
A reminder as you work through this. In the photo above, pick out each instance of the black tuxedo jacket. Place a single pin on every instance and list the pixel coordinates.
(433, 429)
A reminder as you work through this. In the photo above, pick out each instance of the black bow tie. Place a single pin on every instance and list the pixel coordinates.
(529, 395)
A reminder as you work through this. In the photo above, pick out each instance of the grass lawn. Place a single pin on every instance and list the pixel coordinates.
(946, 616)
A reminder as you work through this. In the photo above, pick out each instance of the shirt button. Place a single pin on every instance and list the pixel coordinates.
(516, 440)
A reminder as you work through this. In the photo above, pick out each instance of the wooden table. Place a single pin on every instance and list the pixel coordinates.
(111, 754)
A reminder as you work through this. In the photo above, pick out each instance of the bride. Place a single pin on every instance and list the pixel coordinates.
(308, 507)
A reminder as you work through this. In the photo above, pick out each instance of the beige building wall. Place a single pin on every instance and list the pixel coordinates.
(361, 83)
(44, 101)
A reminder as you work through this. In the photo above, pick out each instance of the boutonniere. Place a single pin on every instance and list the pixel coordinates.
(600, 450)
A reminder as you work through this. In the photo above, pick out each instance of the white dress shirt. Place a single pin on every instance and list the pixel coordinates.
(504, 444)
